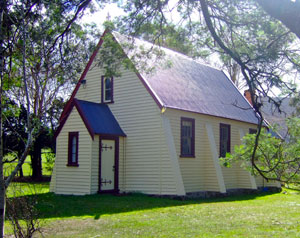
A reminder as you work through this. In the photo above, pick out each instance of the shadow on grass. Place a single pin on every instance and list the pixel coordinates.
(62, 206)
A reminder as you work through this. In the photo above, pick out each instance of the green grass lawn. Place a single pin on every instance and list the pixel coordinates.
(136, 215)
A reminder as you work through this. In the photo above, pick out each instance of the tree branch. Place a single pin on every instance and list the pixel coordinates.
(80, 8)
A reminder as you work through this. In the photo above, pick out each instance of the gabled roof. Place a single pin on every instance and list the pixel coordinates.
(189, 85)
(185, 85)
(97, 118)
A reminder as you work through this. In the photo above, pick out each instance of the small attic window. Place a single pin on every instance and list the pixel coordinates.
(107, 89)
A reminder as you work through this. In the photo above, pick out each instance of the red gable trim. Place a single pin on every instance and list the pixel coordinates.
(67, 106)
(73, 103)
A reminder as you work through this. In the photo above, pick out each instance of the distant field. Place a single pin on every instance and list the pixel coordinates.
(27, 170)
(137, 215)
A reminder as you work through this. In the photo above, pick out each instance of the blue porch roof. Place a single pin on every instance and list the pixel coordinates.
(98, 118)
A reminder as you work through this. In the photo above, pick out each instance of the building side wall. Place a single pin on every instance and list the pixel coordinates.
(199, 173)
(73, 180)
(91, 91)
(53, 180)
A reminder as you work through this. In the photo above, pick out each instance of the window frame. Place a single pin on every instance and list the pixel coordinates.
(252, 131)
(103, 90)
(228, 150)
(70, 146)
(192, 154)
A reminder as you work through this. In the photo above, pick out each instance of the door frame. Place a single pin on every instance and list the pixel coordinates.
(116, 175)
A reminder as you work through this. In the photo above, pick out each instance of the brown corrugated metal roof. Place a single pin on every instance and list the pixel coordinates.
(183, 83)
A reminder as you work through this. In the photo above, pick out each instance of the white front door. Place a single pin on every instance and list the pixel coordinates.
(107, 165)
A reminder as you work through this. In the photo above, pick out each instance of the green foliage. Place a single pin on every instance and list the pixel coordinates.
(111, 56)
(295, 102)
(275, 158)
(50, 160)
(55, 50)
(54, 57)
(14, 127)
(47, 167)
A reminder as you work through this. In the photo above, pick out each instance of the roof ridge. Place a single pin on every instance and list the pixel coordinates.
(168, 49)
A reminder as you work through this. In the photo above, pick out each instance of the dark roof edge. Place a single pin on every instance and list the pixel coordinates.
(186, 110)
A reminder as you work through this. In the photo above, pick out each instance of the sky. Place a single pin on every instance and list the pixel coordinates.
(100, 15)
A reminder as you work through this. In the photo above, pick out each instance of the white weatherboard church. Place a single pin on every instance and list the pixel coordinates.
(156, 133)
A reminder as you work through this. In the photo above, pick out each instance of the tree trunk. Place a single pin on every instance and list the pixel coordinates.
(2, 182)
(21, 170)
(36, 161)
(2, 200)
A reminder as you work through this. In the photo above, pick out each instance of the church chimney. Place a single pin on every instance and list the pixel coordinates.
(247, 95)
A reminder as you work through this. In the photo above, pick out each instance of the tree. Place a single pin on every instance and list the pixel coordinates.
(276, 158)
(50, 70)
(14, 132)
(286, 11)
(17, 50)
(262, 47)
(261, 78)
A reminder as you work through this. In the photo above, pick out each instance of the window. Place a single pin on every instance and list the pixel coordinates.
(107, 89)
(187, 137)
(224, 139)
(73, 149)
(252, 131)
